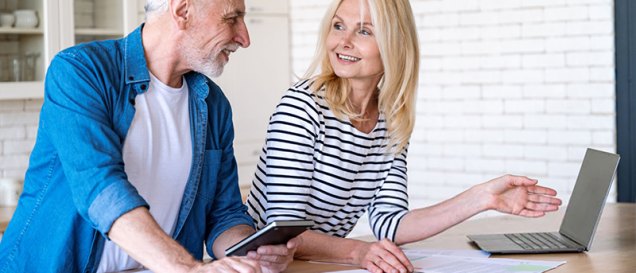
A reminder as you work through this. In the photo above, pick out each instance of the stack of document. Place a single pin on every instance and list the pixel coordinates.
(468, 261)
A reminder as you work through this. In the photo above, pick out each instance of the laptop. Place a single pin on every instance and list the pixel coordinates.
(581, 216)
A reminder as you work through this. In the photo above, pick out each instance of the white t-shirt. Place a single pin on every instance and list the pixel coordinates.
(157, 157)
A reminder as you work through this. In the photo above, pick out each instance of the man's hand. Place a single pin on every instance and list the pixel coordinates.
(228, 264)
(520, 195)
(275, 258)
(383, 257)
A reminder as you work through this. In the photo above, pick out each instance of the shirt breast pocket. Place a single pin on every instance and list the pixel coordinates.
(210, 173)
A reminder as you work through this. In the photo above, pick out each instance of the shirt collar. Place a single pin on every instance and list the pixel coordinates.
(135, 58)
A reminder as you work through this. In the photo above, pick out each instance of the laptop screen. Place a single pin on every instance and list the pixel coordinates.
(588, 197)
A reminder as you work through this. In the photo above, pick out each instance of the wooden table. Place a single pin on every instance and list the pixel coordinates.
(613, 248)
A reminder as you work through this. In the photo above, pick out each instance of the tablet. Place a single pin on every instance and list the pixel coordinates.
(276, 233)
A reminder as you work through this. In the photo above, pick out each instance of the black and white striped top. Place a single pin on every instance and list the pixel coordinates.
(315, 166)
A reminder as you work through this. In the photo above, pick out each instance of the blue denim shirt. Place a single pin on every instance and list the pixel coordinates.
(76, 187)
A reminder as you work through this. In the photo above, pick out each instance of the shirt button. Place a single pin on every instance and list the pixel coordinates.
(130, 78)
(143, 87)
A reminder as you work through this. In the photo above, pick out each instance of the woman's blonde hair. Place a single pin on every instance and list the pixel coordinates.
(396, 36)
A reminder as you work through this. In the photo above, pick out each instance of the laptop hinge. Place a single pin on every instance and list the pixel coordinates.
(568, 237)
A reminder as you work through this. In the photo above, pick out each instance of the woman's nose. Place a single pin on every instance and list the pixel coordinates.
(346, 40)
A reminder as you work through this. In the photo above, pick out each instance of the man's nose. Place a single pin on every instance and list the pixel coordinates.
(242, 35)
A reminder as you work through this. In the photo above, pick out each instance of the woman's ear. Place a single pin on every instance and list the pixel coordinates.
(179, 11)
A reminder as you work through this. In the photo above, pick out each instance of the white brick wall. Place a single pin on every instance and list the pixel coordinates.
(507, 86)
(18, 127)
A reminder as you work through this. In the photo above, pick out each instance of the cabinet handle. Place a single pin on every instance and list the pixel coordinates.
(256, 21)
(256, 9)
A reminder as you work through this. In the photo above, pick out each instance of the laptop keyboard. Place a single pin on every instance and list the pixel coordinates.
(542, 240)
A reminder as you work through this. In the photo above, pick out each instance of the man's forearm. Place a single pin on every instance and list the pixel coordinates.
(143, 239)
(230, 237)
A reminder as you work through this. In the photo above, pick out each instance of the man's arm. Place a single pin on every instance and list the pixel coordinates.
(141, 237)
(229, 238)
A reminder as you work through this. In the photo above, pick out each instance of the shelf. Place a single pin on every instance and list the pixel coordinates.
(56, 31)
(21, 90)
(14, 30)
(99, 32)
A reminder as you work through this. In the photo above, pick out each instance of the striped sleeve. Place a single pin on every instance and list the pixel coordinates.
(391, 202)
(285, 176)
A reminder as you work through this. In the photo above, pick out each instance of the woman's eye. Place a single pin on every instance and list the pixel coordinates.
(338, 26)
(364, 32)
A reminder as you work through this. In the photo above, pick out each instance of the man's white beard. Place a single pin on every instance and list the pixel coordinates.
(210, 70)
(210, 67)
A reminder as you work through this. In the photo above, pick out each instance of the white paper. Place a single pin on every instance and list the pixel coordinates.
(457, 264)
(414, 254)
(417, 253)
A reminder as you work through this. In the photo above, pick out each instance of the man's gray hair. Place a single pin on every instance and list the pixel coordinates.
(155, 7)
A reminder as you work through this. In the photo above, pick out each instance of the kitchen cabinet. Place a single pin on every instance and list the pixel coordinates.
(16, 41)
(255, 78)
(62, 23)
(96, 20)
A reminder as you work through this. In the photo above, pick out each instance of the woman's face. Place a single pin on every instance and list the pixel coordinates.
(351, 44)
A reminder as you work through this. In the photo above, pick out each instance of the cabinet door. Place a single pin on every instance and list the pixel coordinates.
(88, 20)
(28, 40)
(254, 80)
(266, 6)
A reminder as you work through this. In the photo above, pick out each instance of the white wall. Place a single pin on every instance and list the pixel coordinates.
(18, 128)
(507, 86)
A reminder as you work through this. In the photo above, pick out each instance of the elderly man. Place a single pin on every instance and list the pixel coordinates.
(133, 165)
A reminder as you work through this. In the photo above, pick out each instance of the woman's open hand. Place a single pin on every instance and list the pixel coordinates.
(520, 195)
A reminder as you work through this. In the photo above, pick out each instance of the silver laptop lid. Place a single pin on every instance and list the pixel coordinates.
(588, 197)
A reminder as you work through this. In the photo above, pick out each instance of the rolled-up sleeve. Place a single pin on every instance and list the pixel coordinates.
(391, 202)
(228, 209)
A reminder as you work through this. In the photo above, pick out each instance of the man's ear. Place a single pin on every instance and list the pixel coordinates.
(179, 11)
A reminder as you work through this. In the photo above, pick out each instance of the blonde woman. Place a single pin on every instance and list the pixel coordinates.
(337, 144)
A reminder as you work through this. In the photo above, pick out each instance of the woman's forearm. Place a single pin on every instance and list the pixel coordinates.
(373, 256)
(316, 246)
(425, 222)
